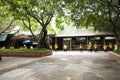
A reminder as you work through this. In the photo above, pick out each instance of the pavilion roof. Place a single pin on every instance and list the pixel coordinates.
(70, 31)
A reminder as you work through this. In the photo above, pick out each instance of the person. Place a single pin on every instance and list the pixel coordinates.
(65, 47)
(56, 46)
(81, 47)
(115, 46)
(50, 46)
(95, 47)
(31, 47)
(105, 47)
(110, 46)
(25, 47)
(89, 47)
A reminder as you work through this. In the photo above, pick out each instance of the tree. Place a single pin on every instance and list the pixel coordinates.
(34, 11)
(6, 22)
(101, 14)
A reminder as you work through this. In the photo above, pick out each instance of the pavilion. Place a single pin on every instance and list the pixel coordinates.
(72, 37)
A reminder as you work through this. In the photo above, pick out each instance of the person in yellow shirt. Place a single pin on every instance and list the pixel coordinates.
(105, 47)
(95, 47)
(65, 47)
(50, 46)
(110, 46)
(89, 47)
(81, 47)
(115, 46)
(56, 46)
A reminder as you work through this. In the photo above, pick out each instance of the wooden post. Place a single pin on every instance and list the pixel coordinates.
(0, 58)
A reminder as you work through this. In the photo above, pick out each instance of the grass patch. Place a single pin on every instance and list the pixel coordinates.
(117, 51)
(25, 50)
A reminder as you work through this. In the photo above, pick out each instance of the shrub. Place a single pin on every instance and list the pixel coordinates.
(117, 51)
(24, 50)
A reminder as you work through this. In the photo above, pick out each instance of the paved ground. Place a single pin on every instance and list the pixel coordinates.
(70, 65)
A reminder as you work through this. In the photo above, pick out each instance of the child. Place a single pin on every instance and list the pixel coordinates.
(115, 46)
(110, 46)
(95, 47)
(89, 47)
(64, 47)
(105, 47)
(81, 47)
(56, 46)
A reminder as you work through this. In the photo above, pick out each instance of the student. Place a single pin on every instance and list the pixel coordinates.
(81, 47)
(50, 46)
(56, 46)
(95, 47)
(110, 46)
(115, 46)
(89, 47)
(65, 47)
(105, 47)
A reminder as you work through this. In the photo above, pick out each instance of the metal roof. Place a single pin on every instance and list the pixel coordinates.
(70, 31)
(3, 37)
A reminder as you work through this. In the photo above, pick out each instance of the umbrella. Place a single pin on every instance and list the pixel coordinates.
(34, 43)
(27, 42)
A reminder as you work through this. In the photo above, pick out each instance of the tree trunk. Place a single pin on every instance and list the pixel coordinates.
(41, 40)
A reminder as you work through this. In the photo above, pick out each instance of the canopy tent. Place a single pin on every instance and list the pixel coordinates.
(3, 37)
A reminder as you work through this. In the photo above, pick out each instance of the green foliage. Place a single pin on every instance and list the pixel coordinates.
(24, 50)
(39, 12)
(117, 51)
(101, 14)
(59, 22)
(51, 30)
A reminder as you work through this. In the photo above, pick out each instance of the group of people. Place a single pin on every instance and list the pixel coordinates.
(55, 47)
(90, 47)
(95, 47)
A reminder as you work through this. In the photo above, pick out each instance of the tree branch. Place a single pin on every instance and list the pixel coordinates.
(28, 27)
(8, 26)
(49, 19)
(32, 14)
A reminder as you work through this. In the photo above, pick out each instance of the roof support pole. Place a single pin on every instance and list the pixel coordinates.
(70, 43)
(56, 40)
(0, 58)
(87, 40)
(104, 40)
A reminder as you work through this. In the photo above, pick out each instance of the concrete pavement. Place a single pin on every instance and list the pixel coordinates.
(69, 65)
(8, 63)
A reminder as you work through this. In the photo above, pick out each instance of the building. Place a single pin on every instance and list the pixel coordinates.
(72, 37)
(5, 40)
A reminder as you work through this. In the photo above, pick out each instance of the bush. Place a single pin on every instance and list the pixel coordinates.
(25, 50)
(117, 51)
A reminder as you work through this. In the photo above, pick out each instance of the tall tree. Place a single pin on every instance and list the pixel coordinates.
(6, 22)
(101, 14)
(39, 11)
